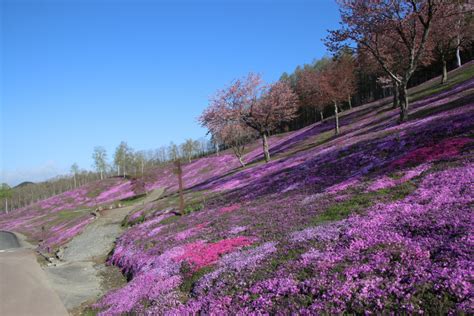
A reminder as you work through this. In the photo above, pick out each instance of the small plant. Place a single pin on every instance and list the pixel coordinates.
(361, 202)
(195, 207)
(191, 276)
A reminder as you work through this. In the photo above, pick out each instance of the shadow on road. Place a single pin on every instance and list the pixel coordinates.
(8, 241)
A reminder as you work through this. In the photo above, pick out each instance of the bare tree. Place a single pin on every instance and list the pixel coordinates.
(100, 160)
(75, 172)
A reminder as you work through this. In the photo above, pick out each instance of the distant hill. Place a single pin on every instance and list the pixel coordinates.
(24, 184)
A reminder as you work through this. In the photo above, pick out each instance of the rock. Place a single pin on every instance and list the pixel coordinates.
(59, 253)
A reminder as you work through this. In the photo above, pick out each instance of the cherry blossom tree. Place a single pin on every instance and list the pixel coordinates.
(332, 84)
(248, 103)
(225, 125)
(267, 107)
(236, 135)
(333, 89)
(347, 84)
(394, 32)
(308, 87)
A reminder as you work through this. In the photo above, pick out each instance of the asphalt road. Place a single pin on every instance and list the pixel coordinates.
(8, 241)
(24, 287)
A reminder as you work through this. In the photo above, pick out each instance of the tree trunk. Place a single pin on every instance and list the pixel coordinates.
(444, 77)
(396, 97)
(6, 205)
(458, 52)
(75, 182)
(266, 152)
(336, 116)
(321, 115)
(179, 172)
(350, 102)
(241, 161)
(403, 102)
(118, 170)
(101, 175)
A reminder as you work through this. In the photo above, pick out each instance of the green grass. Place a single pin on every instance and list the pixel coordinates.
(94, 193)
(133, 200)
(191, 277)
(453, 79)
(169, 220)
(66, 215)
(193, 207)
(89, 311)
(343, 209)
(291, 254)
(361, 201)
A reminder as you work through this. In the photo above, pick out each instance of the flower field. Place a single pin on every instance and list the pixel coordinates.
(55, 220)
(378, 219)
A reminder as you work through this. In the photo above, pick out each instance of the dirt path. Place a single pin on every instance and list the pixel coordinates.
(81, 275)
(98, 238)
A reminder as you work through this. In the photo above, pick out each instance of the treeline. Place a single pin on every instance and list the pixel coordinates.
(125, 162)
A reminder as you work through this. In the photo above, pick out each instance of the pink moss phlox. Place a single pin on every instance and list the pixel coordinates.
(135, 215)
(156, 280)
(351, 182)
(237, 230)
(119, 192)
(422, 231)
(196, 172)
(190, 231)
(385, 182)
(229, 209)
(58, 235)
(155, 231)
(200, 253)
(321, 233)
(234, 262)
(445, 149)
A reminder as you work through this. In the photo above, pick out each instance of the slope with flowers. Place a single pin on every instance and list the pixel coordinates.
(377, 219)
(57, 219)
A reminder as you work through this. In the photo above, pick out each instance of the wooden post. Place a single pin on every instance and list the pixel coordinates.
(179, 172)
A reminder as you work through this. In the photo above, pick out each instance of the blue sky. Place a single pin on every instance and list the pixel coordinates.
(81, 73)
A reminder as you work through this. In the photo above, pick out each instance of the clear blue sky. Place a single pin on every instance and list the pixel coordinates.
(77, 74)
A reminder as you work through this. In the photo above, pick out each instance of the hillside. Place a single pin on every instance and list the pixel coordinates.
(378, 218)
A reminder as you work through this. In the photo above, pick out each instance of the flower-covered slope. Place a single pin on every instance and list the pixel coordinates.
(56, 220)
(377, 219)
